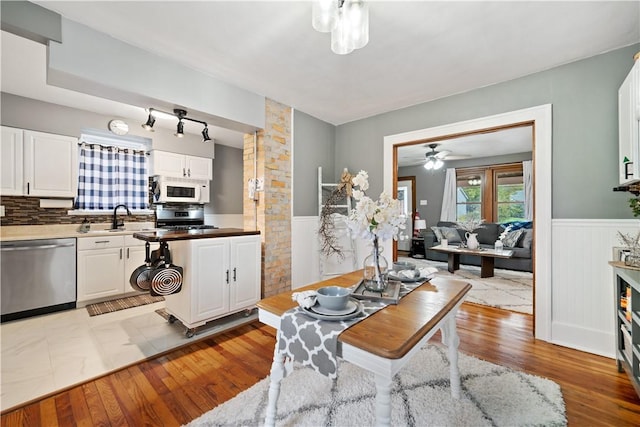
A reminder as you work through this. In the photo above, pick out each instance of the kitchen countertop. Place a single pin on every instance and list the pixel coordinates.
(172, 235)
(10, 233)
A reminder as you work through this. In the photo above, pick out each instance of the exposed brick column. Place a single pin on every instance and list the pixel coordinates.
(272, 211)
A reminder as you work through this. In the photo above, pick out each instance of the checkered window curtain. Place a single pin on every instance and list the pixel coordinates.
(109, 176)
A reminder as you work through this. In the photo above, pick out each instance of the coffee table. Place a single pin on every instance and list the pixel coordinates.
(487, 257)
(386, 340)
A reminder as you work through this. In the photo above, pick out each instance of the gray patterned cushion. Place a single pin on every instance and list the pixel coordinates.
(512, 237)
(451, 234)
(436, 231)
(527, 239)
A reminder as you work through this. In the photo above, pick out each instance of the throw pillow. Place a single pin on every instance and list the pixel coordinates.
(512, 237)
(527, 239)
(436, 231)
(451, 234)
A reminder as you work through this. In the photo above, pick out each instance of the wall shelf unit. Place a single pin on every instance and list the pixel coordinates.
(627, 309)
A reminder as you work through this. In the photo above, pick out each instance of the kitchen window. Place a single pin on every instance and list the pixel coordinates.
(111, 172)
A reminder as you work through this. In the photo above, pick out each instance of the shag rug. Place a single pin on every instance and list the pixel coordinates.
(507, 289)
(492, 395)
(121, 304)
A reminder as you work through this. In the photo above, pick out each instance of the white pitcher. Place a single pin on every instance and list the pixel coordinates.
(472, 241)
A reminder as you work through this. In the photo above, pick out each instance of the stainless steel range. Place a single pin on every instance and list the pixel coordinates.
(181, 217)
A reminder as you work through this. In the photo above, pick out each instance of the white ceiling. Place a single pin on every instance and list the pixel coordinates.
(418, 50)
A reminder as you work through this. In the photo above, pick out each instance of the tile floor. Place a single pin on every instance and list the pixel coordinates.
(43, 354)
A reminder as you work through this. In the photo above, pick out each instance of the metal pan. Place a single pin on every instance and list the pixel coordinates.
(166, 279)
(140, 278)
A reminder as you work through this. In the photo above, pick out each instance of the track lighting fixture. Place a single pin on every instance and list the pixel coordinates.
(180, 132)
(150, 121)
(205, 134)
(181, 115)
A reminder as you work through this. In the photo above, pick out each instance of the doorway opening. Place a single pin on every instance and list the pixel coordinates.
(539, 118)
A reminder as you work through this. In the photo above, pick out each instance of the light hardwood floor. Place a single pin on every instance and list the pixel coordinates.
(177, 387)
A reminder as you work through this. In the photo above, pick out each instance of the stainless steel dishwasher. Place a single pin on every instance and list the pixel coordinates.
(37, 277)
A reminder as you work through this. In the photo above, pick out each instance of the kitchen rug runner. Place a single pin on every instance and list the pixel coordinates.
(121, 304)
(492, 395)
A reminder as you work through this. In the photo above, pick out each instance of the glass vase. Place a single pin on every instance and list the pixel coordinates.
(375, 269)
(633, 258)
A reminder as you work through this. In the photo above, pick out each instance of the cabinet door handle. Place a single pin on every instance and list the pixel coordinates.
(128, 253)
(184, 172)
(234, 274)
(189, 172)
(227, 277)
(28, 188)
(120, 253)
(101, 241)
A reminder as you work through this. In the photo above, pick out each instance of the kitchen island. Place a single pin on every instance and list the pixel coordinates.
(221, 273)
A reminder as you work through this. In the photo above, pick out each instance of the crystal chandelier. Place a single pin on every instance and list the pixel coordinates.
(346, 20)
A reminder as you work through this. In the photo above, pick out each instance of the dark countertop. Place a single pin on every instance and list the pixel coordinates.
(172, 235)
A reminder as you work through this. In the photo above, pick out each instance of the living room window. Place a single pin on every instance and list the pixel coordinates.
(494, 193)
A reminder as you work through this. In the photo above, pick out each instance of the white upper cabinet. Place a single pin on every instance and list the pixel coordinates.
(629, 126)
(181, 166)
(199, 168)
(38, 164)
(11, 157)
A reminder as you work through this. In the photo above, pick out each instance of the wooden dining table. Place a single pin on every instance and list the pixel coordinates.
(383, 342)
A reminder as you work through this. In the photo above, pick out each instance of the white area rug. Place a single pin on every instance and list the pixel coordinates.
(508, 289)
(492, 396)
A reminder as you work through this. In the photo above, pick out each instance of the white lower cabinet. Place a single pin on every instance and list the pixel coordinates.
(221, 277)
(105, 264)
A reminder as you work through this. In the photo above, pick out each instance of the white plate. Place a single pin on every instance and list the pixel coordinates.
(356, 313)
(350, 308)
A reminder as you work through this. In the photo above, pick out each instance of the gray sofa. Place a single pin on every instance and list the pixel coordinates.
(522, 242)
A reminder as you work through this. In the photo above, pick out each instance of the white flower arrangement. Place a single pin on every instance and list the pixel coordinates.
(382, 219)
(470, 225)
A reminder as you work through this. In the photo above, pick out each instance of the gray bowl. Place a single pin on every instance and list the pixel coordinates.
(333, 297)
(403, 265)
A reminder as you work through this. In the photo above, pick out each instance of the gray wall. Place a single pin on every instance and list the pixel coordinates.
(313, 146)
(430, 184)
(227, 183)
(226, 187)
(584, 95)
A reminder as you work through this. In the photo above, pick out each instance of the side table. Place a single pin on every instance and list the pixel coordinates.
(417, 247)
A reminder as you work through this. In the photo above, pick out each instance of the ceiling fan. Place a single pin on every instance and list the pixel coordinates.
(435, 158)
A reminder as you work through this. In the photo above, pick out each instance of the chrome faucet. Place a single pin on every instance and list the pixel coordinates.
(114, 223)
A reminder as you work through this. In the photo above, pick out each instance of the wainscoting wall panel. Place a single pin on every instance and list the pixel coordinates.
(582, 290)
(305, 268)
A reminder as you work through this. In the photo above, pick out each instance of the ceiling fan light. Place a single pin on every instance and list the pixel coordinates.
(429, 164)
(324, 15)
(438, 164)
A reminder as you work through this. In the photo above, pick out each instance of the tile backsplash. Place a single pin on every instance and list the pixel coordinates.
(21, 210)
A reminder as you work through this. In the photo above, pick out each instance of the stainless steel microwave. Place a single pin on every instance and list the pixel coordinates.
(179, 190)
